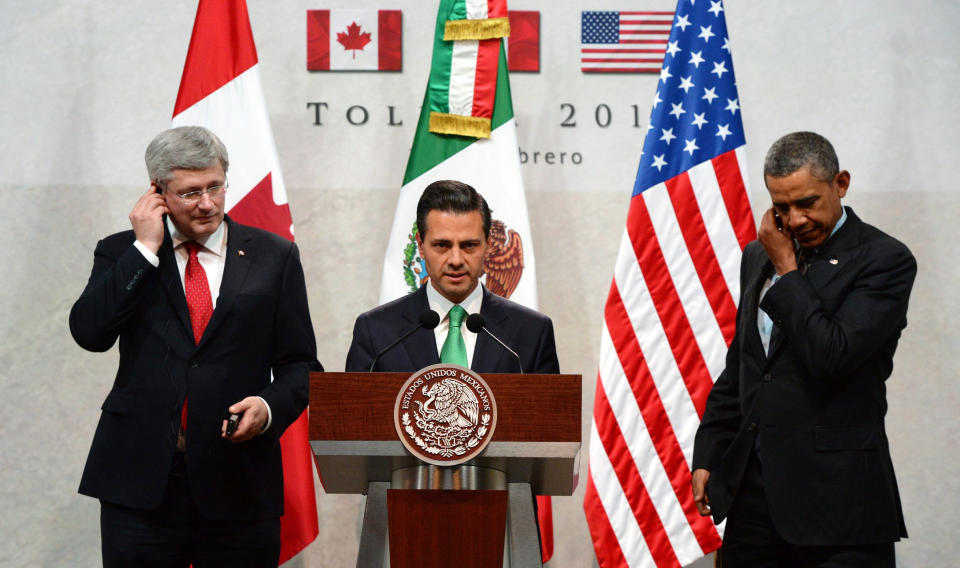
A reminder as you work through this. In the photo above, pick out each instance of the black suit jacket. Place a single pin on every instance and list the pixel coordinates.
(814, 407)
(526, 331)
(261, 324)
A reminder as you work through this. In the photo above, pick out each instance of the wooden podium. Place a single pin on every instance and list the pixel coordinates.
(480, 513)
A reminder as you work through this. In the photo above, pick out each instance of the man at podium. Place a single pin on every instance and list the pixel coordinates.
(453, 222)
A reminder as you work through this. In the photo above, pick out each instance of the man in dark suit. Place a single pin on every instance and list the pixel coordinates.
(206, 310)
(792, 449)
(453, 222)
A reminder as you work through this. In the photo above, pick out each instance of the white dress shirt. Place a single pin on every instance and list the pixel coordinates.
(442, 306)
(212, 258)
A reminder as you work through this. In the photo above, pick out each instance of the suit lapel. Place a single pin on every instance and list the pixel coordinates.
(235, 268)
(421, 347)
(835, 255)
(751, 302)
(173, 285)
(486, 352)
(776, 340)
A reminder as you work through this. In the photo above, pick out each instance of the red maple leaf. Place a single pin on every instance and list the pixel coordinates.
(353, 39)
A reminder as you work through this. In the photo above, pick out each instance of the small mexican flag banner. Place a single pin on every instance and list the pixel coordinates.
(490, 163)
(466, 132)
(463, 75)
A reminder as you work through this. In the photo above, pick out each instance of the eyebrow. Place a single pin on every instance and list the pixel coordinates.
(439, 241)
(803, 201)
(199, 187)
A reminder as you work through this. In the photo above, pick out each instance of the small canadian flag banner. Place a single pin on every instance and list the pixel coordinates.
(523, 45)
(354, 40)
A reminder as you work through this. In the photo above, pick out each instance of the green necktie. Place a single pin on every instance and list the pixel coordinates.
(454, 349)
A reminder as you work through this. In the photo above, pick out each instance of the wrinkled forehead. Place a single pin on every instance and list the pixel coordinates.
(211, 174)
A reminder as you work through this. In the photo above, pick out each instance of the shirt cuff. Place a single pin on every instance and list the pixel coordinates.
(148, 254)
(269, 415)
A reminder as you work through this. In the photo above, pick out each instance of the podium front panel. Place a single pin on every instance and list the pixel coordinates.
(537, 439)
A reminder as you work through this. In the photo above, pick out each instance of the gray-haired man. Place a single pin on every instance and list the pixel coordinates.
(205, 309)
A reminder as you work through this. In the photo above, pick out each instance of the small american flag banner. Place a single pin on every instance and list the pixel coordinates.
(623, 42)
(671, 310)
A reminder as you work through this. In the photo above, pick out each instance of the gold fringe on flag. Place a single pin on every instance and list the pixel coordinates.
(490, 28)
(446, 123)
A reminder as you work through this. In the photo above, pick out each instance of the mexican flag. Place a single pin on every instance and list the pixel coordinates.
(467, 132)
(491, 165)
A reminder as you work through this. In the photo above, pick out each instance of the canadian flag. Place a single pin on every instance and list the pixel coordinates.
(220, 89)
(354, 40)
(523, 45)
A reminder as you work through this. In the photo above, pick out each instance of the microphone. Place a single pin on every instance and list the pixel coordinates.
(476, 323)
(428, 320)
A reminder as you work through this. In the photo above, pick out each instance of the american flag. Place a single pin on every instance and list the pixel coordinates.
(623, 42)
(671, 310)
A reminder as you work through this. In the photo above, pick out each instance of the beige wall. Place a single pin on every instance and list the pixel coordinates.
(86, 85)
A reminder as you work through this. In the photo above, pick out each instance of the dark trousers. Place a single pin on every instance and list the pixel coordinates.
(751, 541)
(175, 535)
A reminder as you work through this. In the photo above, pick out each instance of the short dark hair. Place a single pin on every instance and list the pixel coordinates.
(798, 149)
(452, 197)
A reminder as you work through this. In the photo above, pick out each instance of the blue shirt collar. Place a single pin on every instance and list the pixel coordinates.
(840, 221)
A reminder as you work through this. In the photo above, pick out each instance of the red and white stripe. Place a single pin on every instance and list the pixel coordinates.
(483, 9)
(651, 27)
(221, 90)
(473, 77)
(473, 65)
(669, 318)
(643, 41)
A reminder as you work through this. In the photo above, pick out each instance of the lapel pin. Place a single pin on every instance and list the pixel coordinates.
(241, 253)
(831, 261)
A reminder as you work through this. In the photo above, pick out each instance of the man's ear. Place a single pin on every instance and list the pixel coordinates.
(841, 181)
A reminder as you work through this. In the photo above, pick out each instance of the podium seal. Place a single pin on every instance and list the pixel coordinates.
(445, 414)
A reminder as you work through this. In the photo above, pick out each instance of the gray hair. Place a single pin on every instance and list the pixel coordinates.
(798, 149)
(183, 148)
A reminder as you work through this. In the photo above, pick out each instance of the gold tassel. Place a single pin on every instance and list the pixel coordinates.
(473, 126)
(489, 28)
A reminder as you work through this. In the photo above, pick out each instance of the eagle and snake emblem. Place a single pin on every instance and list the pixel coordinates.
(450, 402)
(448, 422)
(503, 263)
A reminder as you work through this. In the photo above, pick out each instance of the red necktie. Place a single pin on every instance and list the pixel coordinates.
(199, 302)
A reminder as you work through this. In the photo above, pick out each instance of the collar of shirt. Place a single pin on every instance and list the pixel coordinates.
(442, 306)
(215, 243)
(840, 221)
(212, 256)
